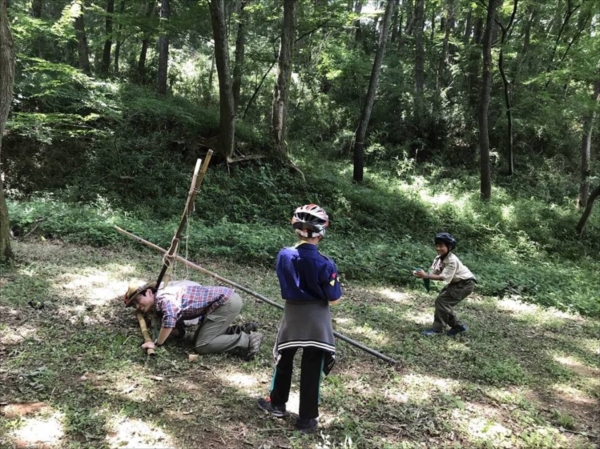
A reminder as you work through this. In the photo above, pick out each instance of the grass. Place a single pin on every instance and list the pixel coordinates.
(522, 377)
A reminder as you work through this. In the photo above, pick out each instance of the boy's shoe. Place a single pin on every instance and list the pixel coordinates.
(256, 339)
(306, 425)
(277, 411)
(456, 330)
(430, 333)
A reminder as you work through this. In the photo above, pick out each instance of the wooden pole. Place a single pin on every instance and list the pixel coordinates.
(187, 211)
(250, 292)
(145, 332)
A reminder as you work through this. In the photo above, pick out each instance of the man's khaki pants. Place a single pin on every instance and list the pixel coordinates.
(450, 296)
(210, 337)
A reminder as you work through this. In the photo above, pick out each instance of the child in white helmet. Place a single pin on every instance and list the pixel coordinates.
(309, 284)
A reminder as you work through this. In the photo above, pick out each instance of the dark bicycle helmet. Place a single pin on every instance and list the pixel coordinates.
(310, 221)
(445, 237)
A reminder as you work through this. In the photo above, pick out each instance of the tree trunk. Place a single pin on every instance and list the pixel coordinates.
(506, 88)
(474, 58)
(141, 69)
(449, 24)
(419, 53)
(586, 144)
(226, 106)
(468, 30)
(357, 29)
(119, 36)
(238, 65)
(361, 132)
(284, 76)
(484, 102)
(163, 48)
(110, 9)
(36, 8)
(394, 37)
(588, 210)
(7, 78)
(82, 45)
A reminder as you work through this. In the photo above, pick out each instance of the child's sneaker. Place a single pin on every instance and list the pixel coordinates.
(277, 411)
(306, 425)
(456, 330)
(430, 333)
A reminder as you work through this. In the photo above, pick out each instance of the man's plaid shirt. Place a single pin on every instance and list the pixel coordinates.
(185, 300)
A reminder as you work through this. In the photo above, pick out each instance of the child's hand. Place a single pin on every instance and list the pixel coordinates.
(420, 273)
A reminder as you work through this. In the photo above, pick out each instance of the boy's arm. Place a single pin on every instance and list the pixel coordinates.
(330, 283)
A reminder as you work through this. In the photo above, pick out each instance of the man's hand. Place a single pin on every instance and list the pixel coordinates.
(148, 345)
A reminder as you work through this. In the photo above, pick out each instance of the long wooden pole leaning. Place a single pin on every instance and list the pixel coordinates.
(187, 211)
(250, 292)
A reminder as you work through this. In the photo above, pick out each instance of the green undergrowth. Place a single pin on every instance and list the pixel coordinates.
(379, 232)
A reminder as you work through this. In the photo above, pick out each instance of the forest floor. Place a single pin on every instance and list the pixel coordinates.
(73, 374)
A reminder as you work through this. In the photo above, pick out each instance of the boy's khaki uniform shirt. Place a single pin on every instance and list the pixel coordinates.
(451, 269)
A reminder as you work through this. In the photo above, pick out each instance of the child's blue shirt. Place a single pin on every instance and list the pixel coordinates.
(305, 274)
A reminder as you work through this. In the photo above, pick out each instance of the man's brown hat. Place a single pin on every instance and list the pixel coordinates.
(134, 290)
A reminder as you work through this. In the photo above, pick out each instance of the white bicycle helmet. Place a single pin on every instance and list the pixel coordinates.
(310, 221)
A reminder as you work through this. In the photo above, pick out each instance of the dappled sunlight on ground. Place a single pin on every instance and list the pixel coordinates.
(396, 296)
(421, 318)
(419, 387)
(46, 429)
(240, 380)
(129, 432)
(514, 305)
(98, 288)
(17, 334)
(576, 366)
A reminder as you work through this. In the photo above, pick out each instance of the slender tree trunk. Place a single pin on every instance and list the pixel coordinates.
(226, 106)
(163, 48)
(141, 69)
(361, 132)
(506, 88)
(238, 65)
(586, 144)
(468, 28)
(82, 46)
(110, 9)
(284, 76)
(208, 95)
(36, 8)
(474, 58)
(394, 37)
(444, 61)
(419, 53)
(588, 210)
(7, 78)
(119, 36)
(357, 29)
(484, 102)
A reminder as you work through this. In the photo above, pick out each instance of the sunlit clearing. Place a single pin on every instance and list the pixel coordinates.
(133, 433)
(419, 386)
(99, 287)
(48, 430)
(240, 380)
(438, 199)
(571, 394)
(484, 428)
(513, 305)
(373, 335)
(394, 295)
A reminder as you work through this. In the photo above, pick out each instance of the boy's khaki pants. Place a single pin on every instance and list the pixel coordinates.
(450, 296)
(210, 337)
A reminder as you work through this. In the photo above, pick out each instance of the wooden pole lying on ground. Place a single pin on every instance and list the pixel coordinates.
(145, 332)
(250, 292)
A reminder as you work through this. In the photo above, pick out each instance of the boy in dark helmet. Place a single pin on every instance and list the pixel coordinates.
(459, 281)
(309, 284)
